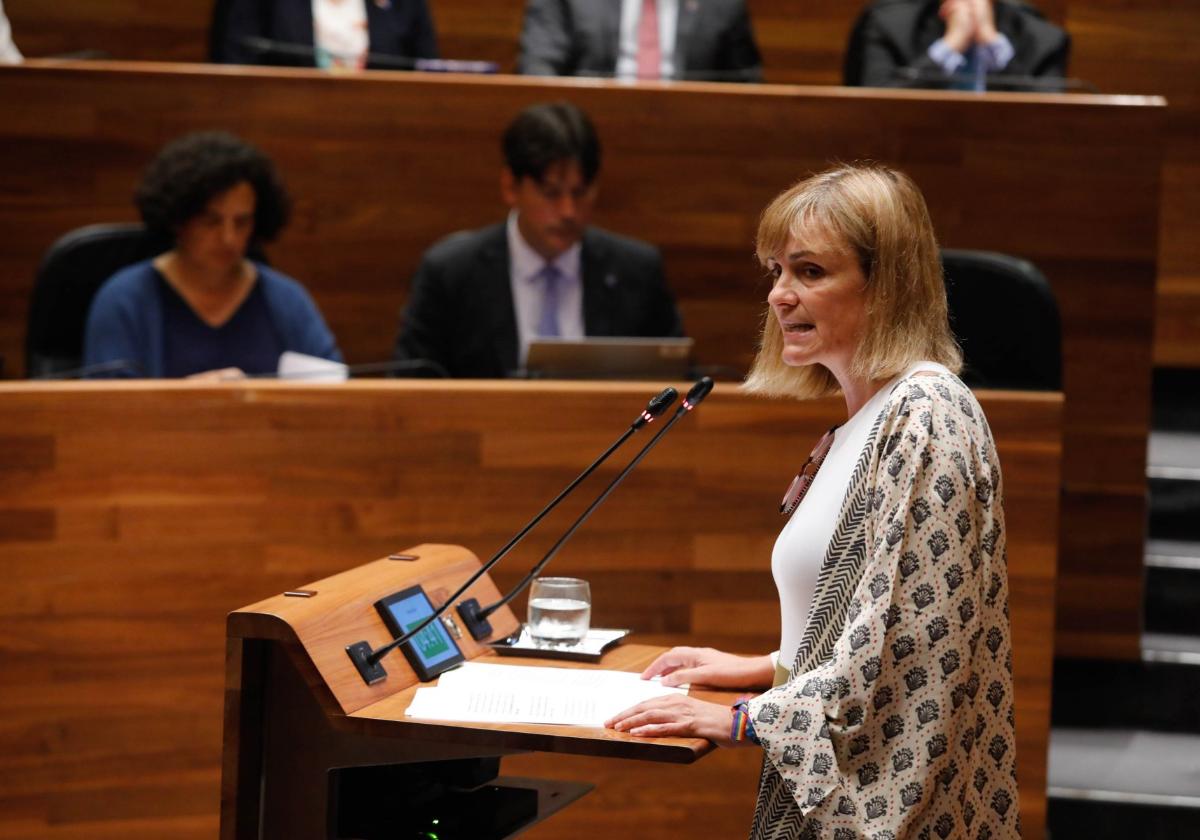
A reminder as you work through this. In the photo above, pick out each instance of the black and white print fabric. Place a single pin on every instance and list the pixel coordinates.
(897, 720)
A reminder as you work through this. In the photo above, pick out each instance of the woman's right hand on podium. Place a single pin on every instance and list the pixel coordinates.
(713, 668)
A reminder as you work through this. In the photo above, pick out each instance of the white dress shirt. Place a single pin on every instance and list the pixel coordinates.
(340, 33)
(802, 544)
(994, 57)
(524, 267)
(631, 16)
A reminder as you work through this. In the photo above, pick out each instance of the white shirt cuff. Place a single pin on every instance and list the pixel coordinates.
(998, 53)
(946, 57)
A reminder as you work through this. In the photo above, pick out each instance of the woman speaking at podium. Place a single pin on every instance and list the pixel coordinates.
(888, 711)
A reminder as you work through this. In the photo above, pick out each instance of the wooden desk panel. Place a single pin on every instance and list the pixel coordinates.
(159, 508)
(688, 167)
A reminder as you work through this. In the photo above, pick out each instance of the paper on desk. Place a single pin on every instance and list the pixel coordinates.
(293, 365)
(482, 693)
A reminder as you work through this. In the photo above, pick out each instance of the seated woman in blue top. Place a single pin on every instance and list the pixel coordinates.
(203, 307)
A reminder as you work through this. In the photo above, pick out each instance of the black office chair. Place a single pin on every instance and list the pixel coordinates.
(1005, 316)
(71, 273)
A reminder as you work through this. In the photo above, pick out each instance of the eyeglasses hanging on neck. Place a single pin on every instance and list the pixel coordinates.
(804, 479)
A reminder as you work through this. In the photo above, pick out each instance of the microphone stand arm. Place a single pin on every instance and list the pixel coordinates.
(698, 392)
(367, 660)
(583, 517)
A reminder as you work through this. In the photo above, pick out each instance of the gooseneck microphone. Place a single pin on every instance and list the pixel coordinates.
(698, 392)
(111, 369)
(367, 660)
(393, 366)
(469, 610)
(271, 50)
(938, 80)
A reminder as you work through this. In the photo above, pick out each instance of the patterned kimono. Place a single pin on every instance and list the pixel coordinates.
(897, 718)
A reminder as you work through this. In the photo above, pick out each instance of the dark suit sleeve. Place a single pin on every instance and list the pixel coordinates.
(879, 59)
(425, 324)
(233, 22)
(1055, 64)
(741, 55)
(662, 315)
(423, 38)
(545, 42)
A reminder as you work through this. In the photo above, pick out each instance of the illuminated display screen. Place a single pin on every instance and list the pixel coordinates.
(432, 650)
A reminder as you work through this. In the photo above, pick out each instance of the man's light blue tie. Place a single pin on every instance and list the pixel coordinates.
(548, 325)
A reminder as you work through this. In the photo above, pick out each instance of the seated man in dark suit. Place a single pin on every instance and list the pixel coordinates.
(342, 34)
(640, 39)
(479, 297)
(953, 43)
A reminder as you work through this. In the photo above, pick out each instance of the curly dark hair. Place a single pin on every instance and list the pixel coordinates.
(191, 170)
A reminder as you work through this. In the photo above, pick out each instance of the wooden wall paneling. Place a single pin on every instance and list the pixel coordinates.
(171, 504)
(1143, 48)
(1154, 47)
(688, 167)
(1177, 326)
(801, 43)
(134, 30)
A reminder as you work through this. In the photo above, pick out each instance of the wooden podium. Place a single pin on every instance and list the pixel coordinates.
(312, 751)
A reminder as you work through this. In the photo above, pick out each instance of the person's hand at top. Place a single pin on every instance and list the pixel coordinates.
(968, 22)
(985, 22)
(961, 24)
(228, 374)
(714, 668)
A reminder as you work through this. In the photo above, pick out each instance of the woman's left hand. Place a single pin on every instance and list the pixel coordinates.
(676, 715)
(228, 374)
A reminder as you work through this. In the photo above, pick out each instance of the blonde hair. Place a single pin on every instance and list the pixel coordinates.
(880, 215)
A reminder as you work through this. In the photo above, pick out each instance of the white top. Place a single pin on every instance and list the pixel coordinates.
(9, 54)
(801, 546)
(631, 16)
(524, 266)
(340, 33)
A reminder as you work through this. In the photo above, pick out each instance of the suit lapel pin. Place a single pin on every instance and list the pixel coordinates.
(383, 4)
(610, 280)
(692, 6)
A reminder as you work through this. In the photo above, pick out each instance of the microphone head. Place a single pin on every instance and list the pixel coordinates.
(662, 402)
(698, 392)
(656, 407)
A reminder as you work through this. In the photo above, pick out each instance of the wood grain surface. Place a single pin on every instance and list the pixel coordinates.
(141, 514)
(343, 606)
(1150, 47)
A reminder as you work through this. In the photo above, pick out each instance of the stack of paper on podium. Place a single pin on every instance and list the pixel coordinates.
(482, 693)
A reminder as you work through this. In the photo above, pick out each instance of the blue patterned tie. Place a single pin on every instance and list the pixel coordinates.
(972, 75)
(548, 323)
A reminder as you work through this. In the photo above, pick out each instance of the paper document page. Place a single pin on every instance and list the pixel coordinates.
(482, 693)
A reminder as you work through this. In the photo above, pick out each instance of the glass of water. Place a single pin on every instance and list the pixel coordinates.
(560, 610)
